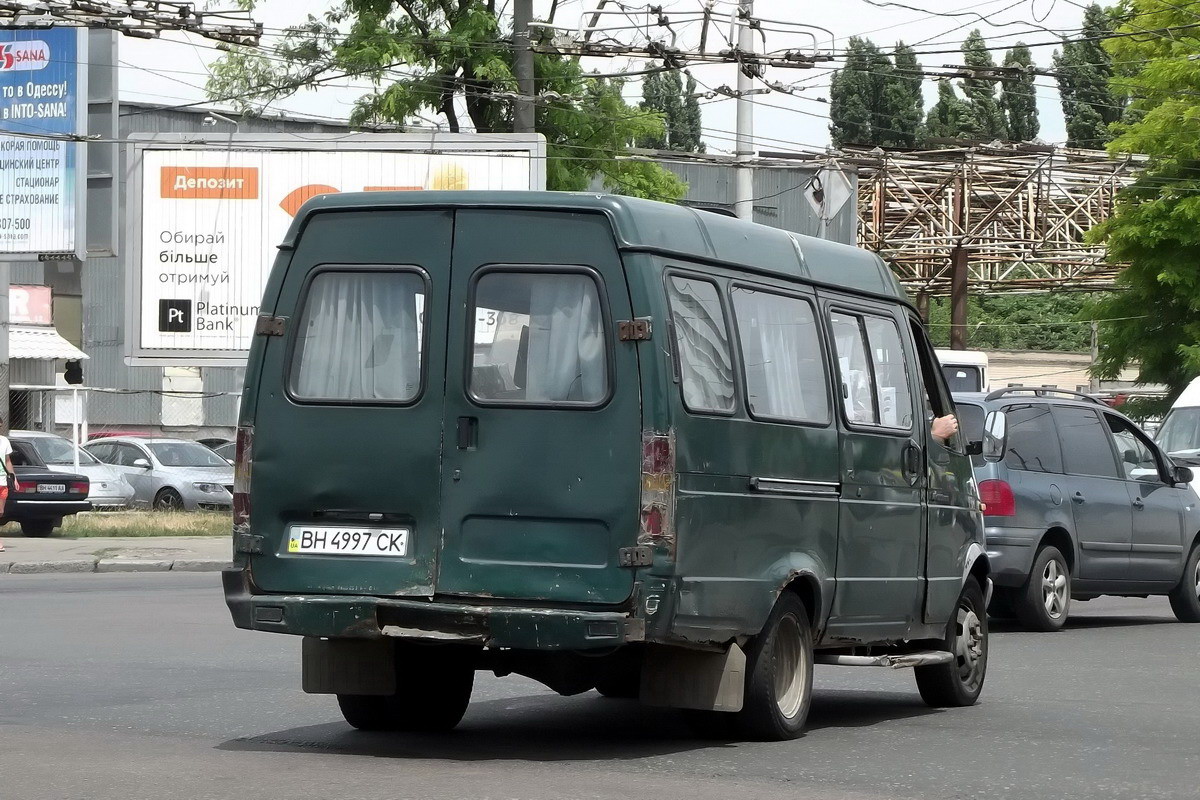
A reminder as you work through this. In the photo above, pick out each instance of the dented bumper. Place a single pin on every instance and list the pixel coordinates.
(367, 617)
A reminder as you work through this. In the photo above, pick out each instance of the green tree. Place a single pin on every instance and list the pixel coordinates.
(1046, 322)
(984, 115)
(1084, 69)
(443, 56)
(909, 102)
(1018, 97)
(663, 93)
(949, 117)
(1154, 321)
(871, 103)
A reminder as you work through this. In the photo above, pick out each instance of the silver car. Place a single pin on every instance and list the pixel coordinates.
(169, 473)
(109, 489)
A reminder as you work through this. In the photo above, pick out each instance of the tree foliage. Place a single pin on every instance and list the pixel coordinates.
(1085, 72)
(664, 93)
(985, 118)
(1018, 322)
(1018, 97)
(872, 102)
(1156, 224)
(442, 57)
(949, 117)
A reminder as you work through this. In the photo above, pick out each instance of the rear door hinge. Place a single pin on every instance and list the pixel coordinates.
(634, 330)
(642, 556)
(248, 543)
(268, 325)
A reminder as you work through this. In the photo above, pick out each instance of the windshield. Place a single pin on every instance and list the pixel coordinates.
(1180, 433)
(961, 378)
(57, 451)
(970, 421)
(185, 454)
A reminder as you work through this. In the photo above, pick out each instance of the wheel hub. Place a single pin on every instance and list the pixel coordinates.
(791, 667)
(1054, 590)
(969, 647)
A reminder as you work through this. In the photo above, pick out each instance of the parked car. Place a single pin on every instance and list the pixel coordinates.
(1079, 502)
(107, 434)
(109, 489)
(226, 451)
(214, 442)
(169, 474)
(603, 443)
(41, 497)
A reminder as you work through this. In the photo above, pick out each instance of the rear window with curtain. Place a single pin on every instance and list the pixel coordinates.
(359, 338)
(701, 344)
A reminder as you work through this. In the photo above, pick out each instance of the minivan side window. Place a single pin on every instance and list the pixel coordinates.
(539, 339)
(359, 338)
(781, 354)
(701, 345)
(1030, 441)
(1085, 443)
(875, 383)
(1137, 458)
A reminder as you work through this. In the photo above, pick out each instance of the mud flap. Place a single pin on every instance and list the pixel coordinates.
(348, 666)
(675, 677)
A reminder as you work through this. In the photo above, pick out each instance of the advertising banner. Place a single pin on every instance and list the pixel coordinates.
(210, 220)
(43, 102)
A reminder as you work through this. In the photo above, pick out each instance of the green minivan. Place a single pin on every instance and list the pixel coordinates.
(605, 443)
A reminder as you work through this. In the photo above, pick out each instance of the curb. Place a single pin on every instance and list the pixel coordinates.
(75, 567)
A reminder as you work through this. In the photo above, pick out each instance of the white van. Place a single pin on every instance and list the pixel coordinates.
(965, 370)
(1179, 434)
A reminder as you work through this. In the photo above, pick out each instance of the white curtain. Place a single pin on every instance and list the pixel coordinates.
(361, 337)
(566, 361)
(791, 387)
(706, 369)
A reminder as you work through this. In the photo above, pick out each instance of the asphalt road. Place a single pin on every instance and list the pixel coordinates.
(139, 686)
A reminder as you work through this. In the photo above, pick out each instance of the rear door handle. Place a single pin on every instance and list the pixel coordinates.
(1079, 498)
(468, 433)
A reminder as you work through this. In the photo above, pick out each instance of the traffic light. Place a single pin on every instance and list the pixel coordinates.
(73, 374)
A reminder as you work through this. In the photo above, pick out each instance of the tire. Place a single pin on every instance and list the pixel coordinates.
(779, 674)
(959, 682)
(1185, 598)
(38, 528)
(620, 684)
(168, 500)
(1003, 600)
(435, 695)
(1045, 600)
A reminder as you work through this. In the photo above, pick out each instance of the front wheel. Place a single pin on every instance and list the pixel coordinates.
(1043, 603)
(959, 682)
(168, 500)
(1185, 597)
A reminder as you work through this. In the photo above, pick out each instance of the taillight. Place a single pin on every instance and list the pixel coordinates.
(658, 492)
(242, 465)
(997, 498)
(80, 487)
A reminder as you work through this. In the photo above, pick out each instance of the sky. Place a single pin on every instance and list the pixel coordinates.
(173, 70)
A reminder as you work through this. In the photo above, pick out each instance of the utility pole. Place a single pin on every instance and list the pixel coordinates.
(523, 117)
(743, 204)
(959, 267)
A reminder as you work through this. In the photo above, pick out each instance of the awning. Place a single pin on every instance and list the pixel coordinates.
(41, 343)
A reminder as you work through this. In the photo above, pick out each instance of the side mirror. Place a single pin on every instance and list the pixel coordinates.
(1131, 457)
(141, 462)
(1184, 475)
(975, 448)
(994, 430)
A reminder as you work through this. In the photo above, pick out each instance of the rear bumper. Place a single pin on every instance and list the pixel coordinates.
(367, 617)
(24, 508)
(1010, 554)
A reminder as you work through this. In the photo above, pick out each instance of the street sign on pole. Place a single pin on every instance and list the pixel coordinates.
(43, 112)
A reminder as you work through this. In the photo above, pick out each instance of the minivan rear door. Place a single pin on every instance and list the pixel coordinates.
(543, 411)
(348, 421)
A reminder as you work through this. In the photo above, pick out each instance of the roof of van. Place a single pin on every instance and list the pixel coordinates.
(1190, 396)
(661, 227)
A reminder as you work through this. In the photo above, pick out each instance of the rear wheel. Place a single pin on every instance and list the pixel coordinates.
(168, 500)
(1185, 598)
(959, 682)
(624, 684)
(779, 674)
(435, 689)
(38, 528)
(1043, 603)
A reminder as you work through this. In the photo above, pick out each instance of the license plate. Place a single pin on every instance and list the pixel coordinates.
(336, 540)
(52, 488)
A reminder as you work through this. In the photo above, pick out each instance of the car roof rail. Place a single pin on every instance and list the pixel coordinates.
(1043, 391)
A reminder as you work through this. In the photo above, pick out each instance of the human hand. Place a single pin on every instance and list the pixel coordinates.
(944, 427)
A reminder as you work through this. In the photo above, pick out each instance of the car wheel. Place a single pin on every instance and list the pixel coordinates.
(1043, 604)
(1185, 598)
(959, 682)
(779, 674)
(37, 528)
(168, 500)
(439, 692)
(623, 684)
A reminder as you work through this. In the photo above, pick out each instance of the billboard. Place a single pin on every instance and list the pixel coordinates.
(43, 103)
(206, 220)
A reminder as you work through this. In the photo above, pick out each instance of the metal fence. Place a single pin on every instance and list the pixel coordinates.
(80, 413)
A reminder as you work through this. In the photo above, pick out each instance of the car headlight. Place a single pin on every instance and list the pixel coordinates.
(211, 488)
